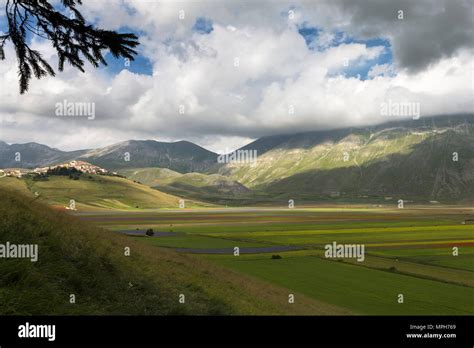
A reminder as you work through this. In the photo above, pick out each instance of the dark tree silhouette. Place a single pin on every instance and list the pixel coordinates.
(69, 34)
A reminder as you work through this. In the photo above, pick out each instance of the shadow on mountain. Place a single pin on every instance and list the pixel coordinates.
(428, 172)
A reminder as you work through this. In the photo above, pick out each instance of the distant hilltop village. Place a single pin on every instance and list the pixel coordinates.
(84, 167)
(79, 166)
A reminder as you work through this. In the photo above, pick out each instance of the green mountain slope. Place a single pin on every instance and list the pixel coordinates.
(151, 176)
(426, 172)
(413, 160)
(195, 185)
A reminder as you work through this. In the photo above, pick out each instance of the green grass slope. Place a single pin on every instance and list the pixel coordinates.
(16, 185)
(94, 192)
(78, 258)
(151, 176)
(195, 185)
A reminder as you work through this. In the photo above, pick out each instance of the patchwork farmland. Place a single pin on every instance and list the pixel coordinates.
(418, 260)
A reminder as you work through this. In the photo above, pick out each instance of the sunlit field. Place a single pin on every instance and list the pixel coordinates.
(425, 254)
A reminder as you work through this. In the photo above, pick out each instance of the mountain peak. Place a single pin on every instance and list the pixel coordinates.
(181, 156)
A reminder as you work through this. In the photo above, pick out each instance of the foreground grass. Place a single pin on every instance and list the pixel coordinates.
(78, 258)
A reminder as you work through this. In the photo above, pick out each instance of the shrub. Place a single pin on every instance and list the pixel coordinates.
(62, 171)
(40, 177)
(276, 257)
(74, 176)
(149, 232)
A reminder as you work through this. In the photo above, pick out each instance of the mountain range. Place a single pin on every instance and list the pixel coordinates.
(429, 159)
(181, 156)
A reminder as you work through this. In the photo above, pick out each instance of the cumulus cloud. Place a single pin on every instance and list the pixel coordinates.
(253, 74)
(422, 34)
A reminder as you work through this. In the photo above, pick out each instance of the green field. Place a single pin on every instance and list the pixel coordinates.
(363, 290)
(407, 251)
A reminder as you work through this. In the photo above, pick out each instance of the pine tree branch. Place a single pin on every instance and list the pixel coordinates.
(72, 38)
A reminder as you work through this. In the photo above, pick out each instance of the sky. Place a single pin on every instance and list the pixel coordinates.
(223, 73)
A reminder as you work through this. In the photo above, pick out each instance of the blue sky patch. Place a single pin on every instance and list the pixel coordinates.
(310, 34)
(141, 65)
(203, 26)
(359, 68)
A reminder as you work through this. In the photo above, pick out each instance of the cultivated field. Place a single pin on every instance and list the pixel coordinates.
(408, 251)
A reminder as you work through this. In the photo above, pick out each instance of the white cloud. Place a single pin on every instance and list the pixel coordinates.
(223, 103)
(381, 70)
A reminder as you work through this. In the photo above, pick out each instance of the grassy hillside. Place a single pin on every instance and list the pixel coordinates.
(196, 185)
(15, 185)
(151, 176)
(93, 192)
(78, 258)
